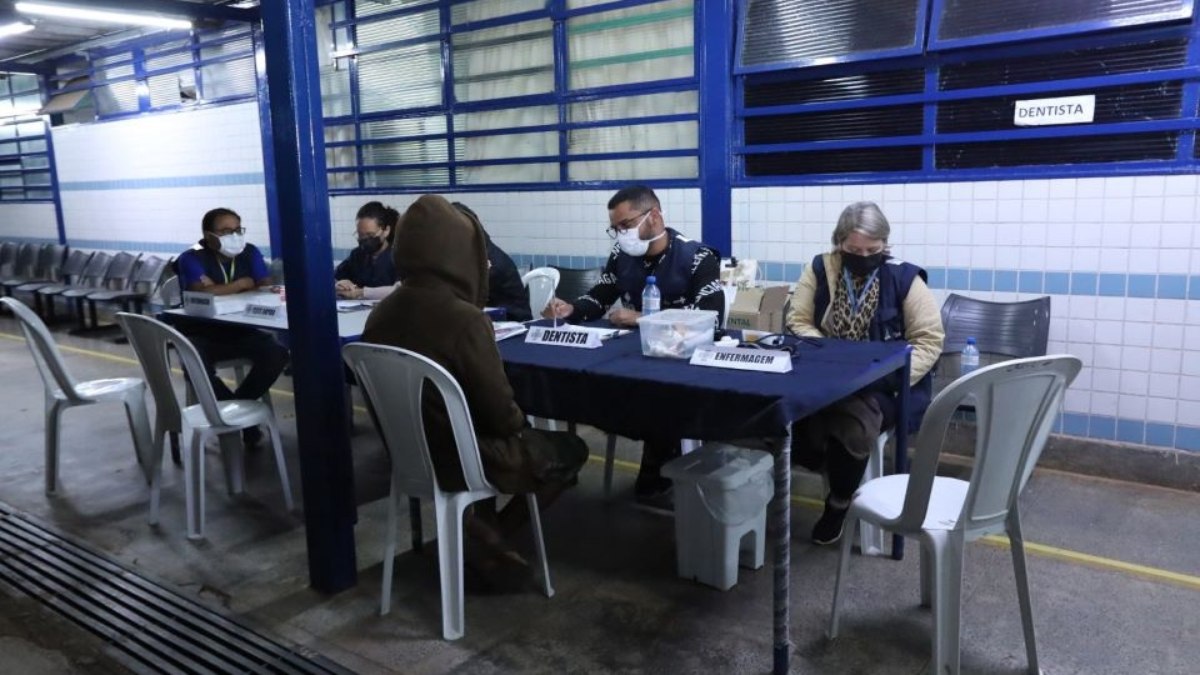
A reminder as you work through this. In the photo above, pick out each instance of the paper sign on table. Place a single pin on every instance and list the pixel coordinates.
(566, 336)
(741, 358)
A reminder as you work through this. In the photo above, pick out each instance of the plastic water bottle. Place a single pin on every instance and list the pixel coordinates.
(651, 297)
(970, 357)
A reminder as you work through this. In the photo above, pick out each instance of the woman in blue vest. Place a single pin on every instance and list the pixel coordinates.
(369, 271)
(859, 292)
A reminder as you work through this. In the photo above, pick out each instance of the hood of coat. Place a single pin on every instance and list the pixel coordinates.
(440, 248)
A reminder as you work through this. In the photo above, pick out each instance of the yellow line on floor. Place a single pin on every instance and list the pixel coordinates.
(1031, 548)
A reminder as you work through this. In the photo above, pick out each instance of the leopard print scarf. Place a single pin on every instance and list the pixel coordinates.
(842, 321)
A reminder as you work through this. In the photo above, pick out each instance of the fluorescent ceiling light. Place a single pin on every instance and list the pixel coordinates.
(15, 28)
(102, 15)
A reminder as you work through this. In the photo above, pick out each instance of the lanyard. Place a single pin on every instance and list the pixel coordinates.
(857, 300)
(229, 273)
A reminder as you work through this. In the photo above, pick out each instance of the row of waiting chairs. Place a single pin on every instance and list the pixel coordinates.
(48, 272)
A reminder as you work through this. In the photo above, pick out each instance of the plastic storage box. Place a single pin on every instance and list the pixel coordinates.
(675, 333)
(721, 497)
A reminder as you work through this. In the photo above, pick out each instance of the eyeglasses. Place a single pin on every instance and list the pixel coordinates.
(627, 224)
(225, 233)
(864, 251)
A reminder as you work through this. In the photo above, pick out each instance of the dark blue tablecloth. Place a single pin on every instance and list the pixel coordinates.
(617, 389)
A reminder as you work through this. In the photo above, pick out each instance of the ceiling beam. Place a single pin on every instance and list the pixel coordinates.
(193, 10)
(32, 68)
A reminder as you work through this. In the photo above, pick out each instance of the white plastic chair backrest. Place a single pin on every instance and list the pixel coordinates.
(393, 381)
(150, 346)
(45, 352)
(170, 293)
(1015, 403)
(160, 336)
(541, 282)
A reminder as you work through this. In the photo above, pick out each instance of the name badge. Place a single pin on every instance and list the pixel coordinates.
(562, 337)
(269, 312)
(741, 358)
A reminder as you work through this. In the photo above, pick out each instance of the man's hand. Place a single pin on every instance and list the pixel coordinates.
(246, 284)
(558, 308)
(343, 285)
(625, 318)
(349, 293)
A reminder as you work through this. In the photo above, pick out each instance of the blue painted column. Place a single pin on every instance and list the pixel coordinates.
(714, 43)
(270, 180)
(326, 467)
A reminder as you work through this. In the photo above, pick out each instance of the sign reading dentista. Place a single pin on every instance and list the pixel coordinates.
(562, 337)
(1049, 111)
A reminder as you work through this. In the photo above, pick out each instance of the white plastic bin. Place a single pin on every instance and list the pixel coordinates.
(721, 497)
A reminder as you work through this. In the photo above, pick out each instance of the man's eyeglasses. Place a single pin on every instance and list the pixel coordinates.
(627, 224)
(225, 233)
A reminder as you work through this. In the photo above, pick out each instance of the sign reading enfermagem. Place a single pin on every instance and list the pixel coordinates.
(1063, 110)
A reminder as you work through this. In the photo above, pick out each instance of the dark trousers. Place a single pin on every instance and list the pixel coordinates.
(840, 438)
(221, 343)
(656, 452)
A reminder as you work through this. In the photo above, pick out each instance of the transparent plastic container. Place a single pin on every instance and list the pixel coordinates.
(676, 333)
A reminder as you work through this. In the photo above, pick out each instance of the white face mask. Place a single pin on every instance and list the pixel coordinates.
(631, 243)
(232, 245)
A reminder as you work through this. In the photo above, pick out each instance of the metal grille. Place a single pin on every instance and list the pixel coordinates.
(1078, 150)
(834, 161)
(974, 18)
(1112, 60)
(803, 32)
(150, 628)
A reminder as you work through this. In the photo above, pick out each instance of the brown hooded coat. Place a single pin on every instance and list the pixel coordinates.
(441, 259)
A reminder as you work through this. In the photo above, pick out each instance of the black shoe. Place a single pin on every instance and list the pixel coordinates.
(830, 525)
(654, 492)
(251, 437)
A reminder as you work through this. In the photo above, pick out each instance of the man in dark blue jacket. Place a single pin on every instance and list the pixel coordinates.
(688, 275)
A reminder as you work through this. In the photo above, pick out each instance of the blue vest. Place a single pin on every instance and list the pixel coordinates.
(895, 280)
(673, 273)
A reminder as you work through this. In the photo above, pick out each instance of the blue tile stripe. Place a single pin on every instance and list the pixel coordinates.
(1053, 282)
(214, 180)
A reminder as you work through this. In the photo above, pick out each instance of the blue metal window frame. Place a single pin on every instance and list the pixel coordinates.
(50, 188)
(931, 96)
(937, 43)
(740, 41)
(137, 57)
(561, 97)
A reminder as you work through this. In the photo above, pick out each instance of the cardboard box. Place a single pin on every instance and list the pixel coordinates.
(758, 308)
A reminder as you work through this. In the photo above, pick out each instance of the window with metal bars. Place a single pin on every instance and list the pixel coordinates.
(486, 94)
(944, 114)
(155, 73)
(26, 173)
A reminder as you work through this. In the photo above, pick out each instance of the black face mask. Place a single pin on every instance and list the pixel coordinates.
(862, 265)
(371, 245)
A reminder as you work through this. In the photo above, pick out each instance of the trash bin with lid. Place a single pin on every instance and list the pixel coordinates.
(721, 497)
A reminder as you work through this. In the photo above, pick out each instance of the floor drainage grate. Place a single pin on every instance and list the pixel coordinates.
(153, 629)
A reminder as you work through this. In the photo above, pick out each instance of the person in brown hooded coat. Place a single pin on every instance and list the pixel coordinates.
(441, 260)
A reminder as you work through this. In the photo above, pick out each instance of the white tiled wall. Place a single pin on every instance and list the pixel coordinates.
(144, 183)
(1141, 354)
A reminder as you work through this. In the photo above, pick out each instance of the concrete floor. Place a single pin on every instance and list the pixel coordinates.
(619, 607)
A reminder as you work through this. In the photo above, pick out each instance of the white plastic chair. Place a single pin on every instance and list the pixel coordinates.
(62, 392)
(541, 283)
(1015, 402)
(197, 423)
(392, 381)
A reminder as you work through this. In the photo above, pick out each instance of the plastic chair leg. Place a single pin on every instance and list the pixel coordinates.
(450, 562)
(193, 478)
(389, 554)
(54, 411)
(139, 428)
(610, 453)
(870, 535)
(947, 601)
(233, 461)
(1017, 546)
(842, 573)
(539, 541)
(281, 463)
